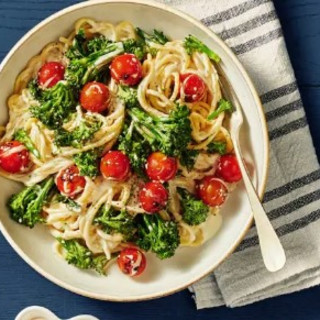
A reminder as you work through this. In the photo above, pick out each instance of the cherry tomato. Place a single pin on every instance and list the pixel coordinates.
(69, 182)
(50, 73)
(115, 165)
(131, 261)
(160, 167)
(193, 86)
(153, 196)
(95, 97)
(228, 168)
(14, 157)
(212, 191)
(126, 69)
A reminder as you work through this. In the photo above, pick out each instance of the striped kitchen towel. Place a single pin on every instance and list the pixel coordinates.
(251, 28)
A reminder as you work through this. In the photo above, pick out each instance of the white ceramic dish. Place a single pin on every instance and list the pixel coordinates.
(40, 313)
(189, 265)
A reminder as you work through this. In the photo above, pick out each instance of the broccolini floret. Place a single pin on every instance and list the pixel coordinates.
(192, 44)
(194, 211)
(56, 104)
(136, 47)
(223, 105)
(98, 44)
(79, 136)
(145, 133)
(26, 206)
(156, 37)
(78, 47)
(22, 136)
(158, 235)
(84, 69)
(217, 146)
(71, 204)
(188, 158)
(136, 147)
(169, 135)
(113, 220)
(129, 96)
(87, 163)
(81, 257)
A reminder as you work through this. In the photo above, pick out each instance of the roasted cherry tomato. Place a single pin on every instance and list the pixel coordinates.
(160, 167)
(153, 196)
(212, 191)
(115, 165)
(14, 157)
(126, 69)
(228, 168)
(69, 182)
(95, 97)
(193, 87)
(131, 261)
(50, 73)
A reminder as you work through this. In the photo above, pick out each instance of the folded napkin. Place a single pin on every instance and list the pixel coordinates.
(252, 30)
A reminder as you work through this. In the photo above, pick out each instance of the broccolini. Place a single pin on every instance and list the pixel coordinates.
(194, 210)
(158, 235)
(26, 206)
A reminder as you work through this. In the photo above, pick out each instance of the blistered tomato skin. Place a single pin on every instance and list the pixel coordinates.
(95, 97)
(50, 73)
(228, 168)
(161, 167)
(193, 87)
(131, 262)
(153, 197)
(14, 157)
(69, 182)
(115, 165)
(126, 69)
(212, 191)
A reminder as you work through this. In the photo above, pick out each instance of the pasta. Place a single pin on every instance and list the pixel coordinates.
(166, 66)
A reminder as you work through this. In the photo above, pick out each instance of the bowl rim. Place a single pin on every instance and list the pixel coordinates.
(264, 127)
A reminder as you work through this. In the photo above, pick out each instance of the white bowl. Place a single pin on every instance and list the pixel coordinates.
(189, 264)
(36, 312)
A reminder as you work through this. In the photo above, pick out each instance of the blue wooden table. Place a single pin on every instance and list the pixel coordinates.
(20, 286)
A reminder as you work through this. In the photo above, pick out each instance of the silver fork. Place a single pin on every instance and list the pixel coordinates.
(271, 248)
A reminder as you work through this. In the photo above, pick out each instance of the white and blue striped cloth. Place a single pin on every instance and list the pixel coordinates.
(251, 28)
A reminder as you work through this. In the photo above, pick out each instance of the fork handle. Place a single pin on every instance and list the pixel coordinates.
(271, 248)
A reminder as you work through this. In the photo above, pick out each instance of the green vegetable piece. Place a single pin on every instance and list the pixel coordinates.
(194, 210)
(158, 235)
(87, 163)
(217, 146)
(77, 138)
(136, 47)
(192, 44)
(98, 44)
(71, 204)
(99, 263)
(114, 221)
(136, 148)
(78, 47)
(77, 254)
(85, 69)
(224, 105)
(56, 104)
(188, 158)
(34, 89)
(22, 136)
(169, 135)
(156, 37)
(81, 257)
(26, 206)
(129, 96)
